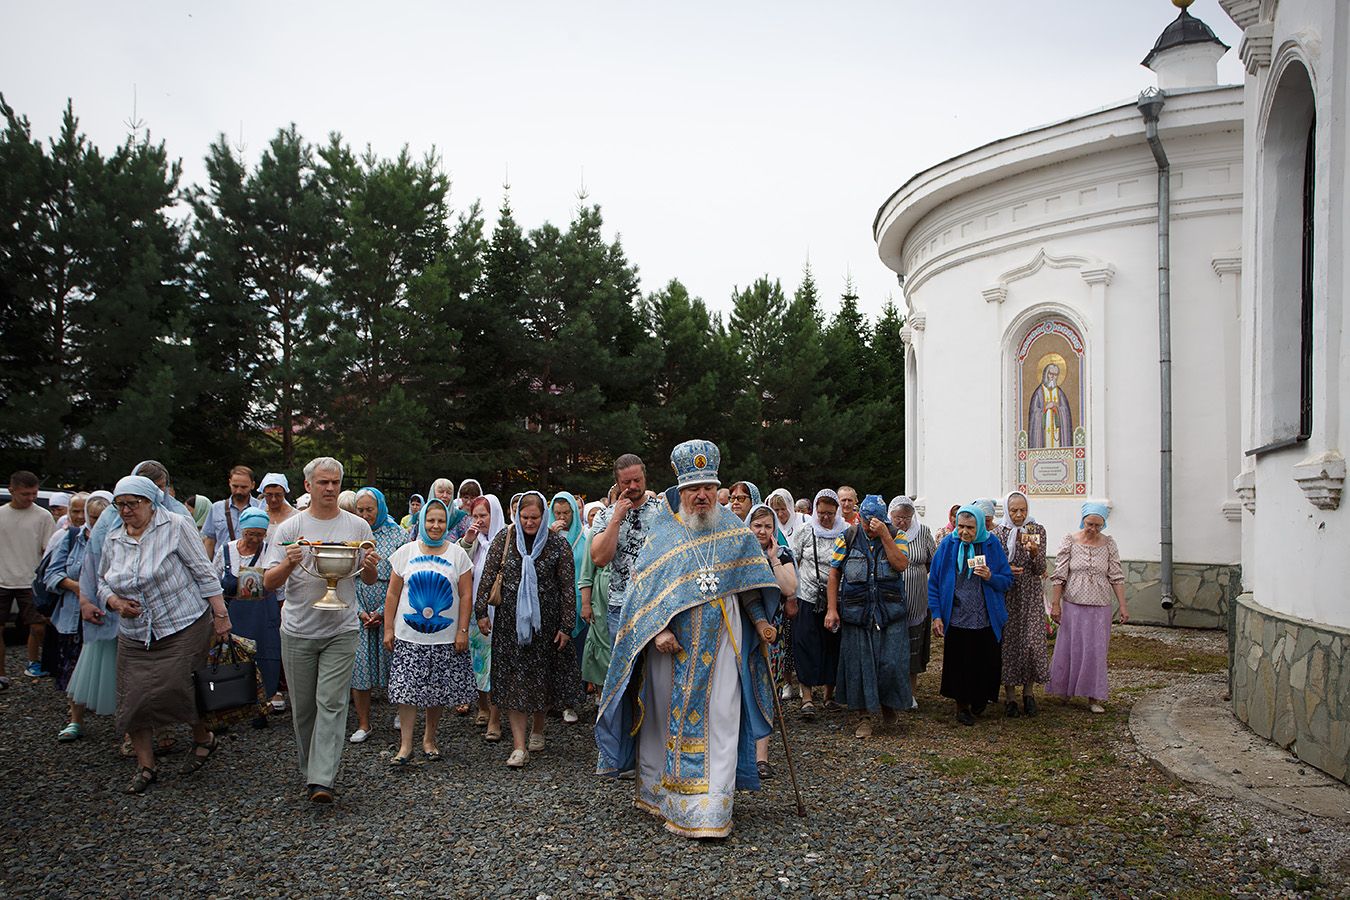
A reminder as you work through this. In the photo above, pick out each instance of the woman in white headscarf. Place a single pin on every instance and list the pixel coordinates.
(920, 545)
(784, 508)
(487, 521)
(815, 649)
(1025, 661)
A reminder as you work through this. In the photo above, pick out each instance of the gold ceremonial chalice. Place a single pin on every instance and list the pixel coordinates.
(334, 561)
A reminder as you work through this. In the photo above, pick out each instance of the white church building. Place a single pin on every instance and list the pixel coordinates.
(1136, 273)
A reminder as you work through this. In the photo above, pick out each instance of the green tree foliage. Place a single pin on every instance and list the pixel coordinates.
(261, 241)
(94, 368)
(317, 301)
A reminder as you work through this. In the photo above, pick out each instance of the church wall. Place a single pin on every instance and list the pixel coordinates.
(1097, 271)
(1290, 676)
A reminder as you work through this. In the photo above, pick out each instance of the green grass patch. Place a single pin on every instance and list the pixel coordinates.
(1134, 652)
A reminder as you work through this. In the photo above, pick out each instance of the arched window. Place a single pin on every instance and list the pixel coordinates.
(1306, 289)
(1050, 394)
(1285, 299)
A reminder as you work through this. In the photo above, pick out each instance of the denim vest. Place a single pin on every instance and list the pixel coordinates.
(870, 591)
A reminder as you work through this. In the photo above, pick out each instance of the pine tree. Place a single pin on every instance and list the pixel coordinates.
(380, 335)
(497, 361)
(692, 377)
(271, 229)
(805, 401)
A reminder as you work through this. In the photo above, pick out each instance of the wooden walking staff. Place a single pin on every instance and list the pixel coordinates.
(782, 729)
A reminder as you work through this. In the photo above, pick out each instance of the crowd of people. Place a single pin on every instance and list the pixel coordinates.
(690, 618)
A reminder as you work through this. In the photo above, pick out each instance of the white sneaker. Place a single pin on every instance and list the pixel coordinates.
(785, 693)
(913, 703)
(359, 736)
(279, 703)
(536, 742)
(570, 716)
(518, 759)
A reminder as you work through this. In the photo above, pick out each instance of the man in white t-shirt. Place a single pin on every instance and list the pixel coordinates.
(318, 646)
(25, 529)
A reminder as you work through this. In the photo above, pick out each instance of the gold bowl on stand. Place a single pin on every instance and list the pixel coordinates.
(334, 561)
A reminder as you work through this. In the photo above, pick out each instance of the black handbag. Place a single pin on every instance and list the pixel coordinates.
(227, 681)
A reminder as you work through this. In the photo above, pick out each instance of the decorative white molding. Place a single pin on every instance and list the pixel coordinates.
(1322, 477)
(1244, 485)
(1229, 263)
(919, 321)
(1093, 271)
(1232, 510)
(907, 335)
(1244, 13)
(1256, 44)
(920, 506)
(1102, 274)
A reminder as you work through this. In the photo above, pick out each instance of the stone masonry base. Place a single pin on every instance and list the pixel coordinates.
(1291, 684)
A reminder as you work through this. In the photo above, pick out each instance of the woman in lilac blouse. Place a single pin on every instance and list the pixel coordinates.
(1087, 579)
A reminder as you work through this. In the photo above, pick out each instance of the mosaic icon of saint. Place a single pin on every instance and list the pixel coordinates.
(1049, 418)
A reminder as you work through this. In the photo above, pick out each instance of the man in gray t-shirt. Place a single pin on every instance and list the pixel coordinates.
(318, 646)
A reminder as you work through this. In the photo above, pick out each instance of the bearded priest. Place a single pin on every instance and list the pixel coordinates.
(688, 691)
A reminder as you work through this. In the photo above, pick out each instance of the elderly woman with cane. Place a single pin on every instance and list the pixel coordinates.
(155, 575)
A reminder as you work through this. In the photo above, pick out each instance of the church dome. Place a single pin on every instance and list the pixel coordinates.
(1185, 29)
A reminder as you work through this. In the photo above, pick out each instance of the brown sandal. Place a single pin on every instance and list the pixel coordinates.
(145, 776)
(196, 760)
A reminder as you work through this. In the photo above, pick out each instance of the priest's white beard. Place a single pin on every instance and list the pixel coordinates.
(698, 521)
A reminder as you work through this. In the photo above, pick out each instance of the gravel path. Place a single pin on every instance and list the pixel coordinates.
(1060, 805)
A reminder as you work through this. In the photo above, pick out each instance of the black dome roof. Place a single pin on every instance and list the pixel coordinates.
(1185, 29)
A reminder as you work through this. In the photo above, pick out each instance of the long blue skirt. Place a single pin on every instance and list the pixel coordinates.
(260, 622)
(873, 667)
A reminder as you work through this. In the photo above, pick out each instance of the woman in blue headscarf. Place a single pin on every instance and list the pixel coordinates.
(427, 610)
(372, 660)
(533, 668)
(867, 604)
(254, 610)
(966, 583)
(564, 518)
(1088, 577)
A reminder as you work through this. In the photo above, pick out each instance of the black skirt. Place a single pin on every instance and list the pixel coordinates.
(815, 649)
(972, 666)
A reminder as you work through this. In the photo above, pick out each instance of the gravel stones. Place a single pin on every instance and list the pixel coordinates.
(1059, 805)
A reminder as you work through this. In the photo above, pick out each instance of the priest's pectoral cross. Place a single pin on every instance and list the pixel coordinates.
(707, 580)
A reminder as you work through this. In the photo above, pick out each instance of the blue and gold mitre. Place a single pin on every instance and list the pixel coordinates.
(695, 462)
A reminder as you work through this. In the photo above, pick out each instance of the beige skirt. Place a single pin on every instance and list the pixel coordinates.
(154, 685)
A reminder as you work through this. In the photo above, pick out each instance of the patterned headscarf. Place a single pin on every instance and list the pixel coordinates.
(528, 620)
(382, 517)
(902, 502)
(819, 530)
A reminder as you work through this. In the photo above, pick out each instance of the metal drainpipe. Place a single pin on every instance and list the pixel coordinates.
(1150, 106)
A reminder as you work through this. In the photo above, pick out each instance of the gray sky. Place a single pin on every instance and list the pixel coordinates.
(722, 140)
